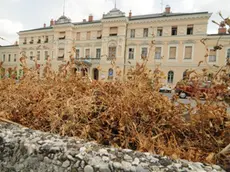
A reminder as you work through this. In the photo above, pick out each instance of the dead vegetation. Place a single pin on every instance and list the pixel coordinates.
(131, 114)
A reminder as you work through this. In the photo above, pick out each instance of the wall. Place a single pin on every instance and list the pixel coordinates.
(25, 150)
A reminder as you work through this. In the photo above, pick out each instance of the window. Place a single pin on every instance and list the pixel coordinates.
(61, 53)
(146, 32)
(98, 53)
(112, 52)
(174, 30)
(78, 36)
(32, 40)
(185, 76)
(228, 56)
(110, 74)
(39, 40)
(144, 52)
(9, 58)
(46, 39)
(4, 57)
(172, 53)
(99, 35)
(87, 53)
(25, 41)
(46, 55)
(189, 29)
(31, 55)
(170, 76)
(212, 55)
(188, 52)
(38, 55)
(159, 31)
(158, 53)
(77, 53)
(15, 57)
(61, 35)
(132, 33)
(228, 53)
(88, 35)
(131, 53)
(113, 31)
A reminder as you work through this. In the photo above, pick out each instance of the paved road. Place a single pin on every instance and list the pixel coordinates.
(188, 101)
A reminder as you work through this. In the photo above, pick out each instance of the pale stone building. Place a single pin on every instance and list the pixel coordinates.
(125, 40)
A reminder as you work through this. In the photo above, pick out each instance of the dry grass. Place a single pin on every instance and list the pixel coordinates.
(131, 114)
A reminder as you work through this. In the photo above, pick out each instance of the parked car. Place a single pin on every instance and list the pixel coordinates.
(193, 89)
(165, 89)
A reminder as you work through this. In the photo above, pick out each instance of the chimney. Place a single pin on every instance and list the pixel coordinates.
(44, 25)
(51, 22)
(130, 14)
(84, 20)
(90, 18)
(222, 30)
(167, 9)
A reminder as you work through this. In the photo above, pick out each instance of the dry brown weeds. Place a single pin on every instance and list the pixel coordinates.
(131, 114)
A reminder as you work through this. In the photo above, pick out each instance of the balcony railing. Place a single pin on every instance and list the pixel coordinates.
(111, 58)
(88, 58)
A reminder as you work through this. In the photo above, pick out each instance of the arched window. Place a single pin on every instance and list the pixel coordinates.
(110, 74)
(185, 74)
(170, 76)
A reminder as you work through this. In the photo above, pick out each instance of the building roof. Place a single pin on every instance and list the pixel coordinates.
(8, 46)
(114, 13)
(147, 16)
(87, 22)
(63, 19)
(37, 29)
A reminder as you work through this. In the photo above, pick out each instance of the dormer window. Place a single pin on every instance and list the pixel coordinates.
(113, 31)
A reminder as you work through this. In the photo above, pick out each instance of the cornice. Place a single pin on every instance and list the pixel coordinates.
(171, 18)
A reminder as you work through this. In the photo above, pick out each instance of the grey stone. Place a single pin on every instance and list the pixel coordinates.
(117, 165)
(128, 158)
(66, 164)
(126, 165)
(88, 168)
(217, 167)
(136, 161)
(104, 168)
(141, 169)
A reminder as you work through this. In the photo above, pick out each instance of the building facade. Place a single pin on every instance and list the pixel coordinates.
(169, 40)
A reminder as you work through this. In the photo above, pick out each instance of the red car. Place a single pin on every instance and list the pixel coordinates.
(198, 89)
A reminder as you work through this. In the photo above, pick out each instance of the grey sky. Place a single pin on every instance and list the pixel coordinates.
(16, 15)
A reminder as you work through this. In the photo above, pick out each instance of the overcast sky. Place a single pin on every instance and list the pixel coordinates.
(16, 15)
